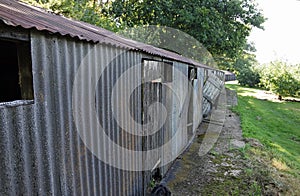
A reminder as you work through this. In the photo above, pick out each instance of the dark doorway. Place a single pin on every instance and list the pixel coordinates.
(9, 75)
(15, 74)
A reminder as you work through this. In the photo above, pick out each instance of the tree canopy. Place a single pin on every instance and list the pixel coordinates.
(90, 11)
(222, 26)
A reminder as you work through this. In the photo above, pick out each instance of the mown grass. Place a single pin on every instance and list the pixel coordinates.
(275, 124)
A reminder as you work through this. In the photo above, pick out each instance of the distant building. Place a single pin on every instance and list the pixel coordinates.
(229, 76)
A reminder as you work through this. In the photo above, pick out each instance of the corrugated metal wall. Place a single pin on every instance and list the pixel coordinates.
(212, 89)
(41, 149)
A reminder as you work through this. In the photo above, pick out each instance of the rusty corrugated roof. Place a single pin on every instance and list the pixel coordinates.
(16, 13)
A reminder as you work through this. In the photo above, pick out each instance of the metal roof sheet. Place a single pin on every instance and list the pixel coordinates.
(16, 13)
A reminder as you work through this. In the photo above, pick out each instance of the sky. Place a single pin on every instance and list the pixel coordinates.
(281, 37)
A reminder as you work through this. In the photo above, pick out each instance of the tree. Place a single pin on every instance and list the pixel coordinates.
(90, 11)
(170, 39)
(244, 67)
(222, 26)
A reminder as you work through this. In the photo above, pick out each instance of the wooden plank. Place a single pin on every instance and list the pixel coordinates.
(25, 71)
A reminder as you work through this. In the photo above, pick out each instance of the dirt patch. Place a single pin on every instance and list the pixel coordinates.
(229, 168)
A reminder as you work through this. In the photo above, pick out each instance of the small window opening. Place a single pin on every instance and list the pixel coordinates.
(16, 71)
(168, 72)
(192, 74)
(160, 71)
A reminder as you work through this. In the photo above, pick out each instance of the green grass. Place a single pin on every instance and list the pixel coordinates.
(275, 124)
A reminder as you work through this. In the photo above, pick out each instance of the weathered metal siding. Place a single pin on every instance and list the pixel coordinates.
(93, 176)
(179, 112)
(212, 89)
(41, 151)
(198, 98)
(171, 89)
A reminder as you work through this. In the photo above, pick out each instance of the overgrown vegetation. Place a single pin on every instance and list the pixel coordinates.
(275, 124)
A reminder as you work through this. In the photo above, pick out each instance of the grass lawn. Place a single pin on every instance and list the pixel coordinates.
(276, 124)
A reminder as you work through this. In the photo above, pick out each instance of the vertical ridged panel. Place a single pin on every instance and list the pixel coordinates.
(41, 151)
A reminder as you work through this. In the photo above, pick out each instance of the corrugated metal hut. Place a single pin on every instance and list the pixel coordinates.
(229, 76)
(78, 104)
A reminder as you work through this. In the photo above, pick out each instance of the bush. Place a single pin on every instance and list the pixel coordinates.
(281, 78)
(284, 85)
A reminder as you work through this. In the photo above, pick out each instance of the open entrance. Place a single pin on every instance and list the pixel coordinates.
(192, 76)
(16, 71)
